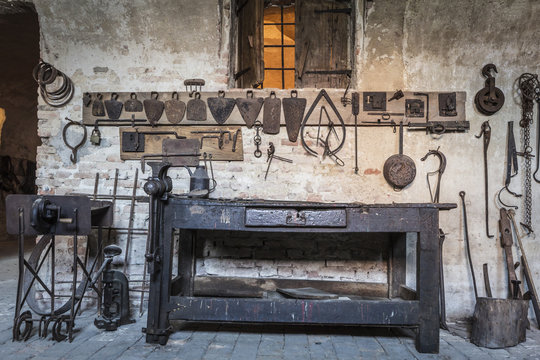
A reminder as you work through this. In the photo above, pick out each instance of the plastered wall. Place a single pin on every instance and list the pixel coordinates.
(421, 45)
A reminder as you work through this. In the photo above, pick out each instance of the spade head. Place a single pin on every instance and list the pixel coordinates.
(221, 107)
(114, 107)
(196, 109)
(293, 110)
(153, 109)
(133, 105)
(271, 114)
(175, 109)
(249, 108)
(97, 106)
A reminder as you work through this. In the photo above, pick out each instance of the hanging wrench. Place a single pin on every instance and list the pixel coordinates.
(439, 172)
(486, 133)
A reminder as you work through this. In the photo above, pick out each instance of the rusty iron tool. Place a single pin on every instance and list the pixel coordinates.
(397, 95)
(98, 109)
(439, 172)
(489, 99)
(194, 84)
(131, 218)
(175, 109)
(87, 99)
(293, 111)
(76, 147)
(249, 108)
(515, 289)
(114, 107)
(328, 151)
(221, 107)
(526, 269)
(218, 137)
(196, 108)
(427, 102)
(132, 104)
(466, 239)
(153, 108)
(221, 133)
(271, 114)
(257, 139)
(511, 163)
(235, 139)
(486, 133)
(385, 115)
(355, 100)
(487, 285)
(506, 243)
(271, 155)
(399, 170)
(537, 137)
(440, 127)
(442, 296)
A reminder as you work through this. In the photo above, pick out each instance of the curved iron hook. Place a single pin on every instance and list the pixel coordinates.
(486, 70)
(439, 171)
(75, 148)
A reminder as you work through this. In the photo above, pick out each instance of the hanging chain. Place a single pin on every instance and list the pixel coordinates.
(528, 85)
(257, 139)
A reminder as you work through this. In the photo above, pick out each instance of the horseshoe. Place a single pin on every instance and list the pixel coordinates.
(75, 148)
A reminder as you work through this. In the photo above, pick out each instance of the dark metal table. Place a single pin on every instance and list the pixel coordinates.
(173, 298)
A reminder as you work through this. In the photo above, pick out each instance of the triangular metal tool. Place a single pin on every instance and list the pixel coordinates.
(114, 107)
(175, 109)
(196, 108)
(271, 114)
(221, 107)
(249, 108)
(293, 111)
(132, 104)
(98, 109)
(322, 94)
(153, 108)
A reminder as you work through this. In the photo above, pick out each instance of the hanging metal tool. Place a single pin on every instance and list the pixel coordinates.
(328, 151)
(76, 147)
(466, 239)
(397, 95)
(257, 139)
(132, 104)
(486, 133)
(511, 163)
(221, 107)
(98, 109)
(490, 99)
(506, 243)
(153, 108)
(293, 111)
(439, 172)
(427, 102)
(537, 136)
(271, 114)
(114, 107)
(356, 110)
(442, 297)
(399, 170)
(196, 108)
(526, 270)
(271, 155)
(175, 109)
(249, 108)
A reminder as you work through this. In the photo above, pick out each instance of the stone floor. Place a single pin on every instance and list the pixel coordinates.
(213, 341)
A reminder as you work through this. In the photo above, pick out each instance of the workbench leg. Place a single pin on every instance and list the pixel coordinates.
(158, 327)
(398, 260)
(427, 282)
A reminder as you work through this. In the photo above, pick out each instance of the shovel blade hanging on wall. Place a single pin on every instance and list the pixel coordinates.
(175, 109)
(196, 108)
(98, 109)
(271, 114)
(221, 107)
(132, 104)
(114, 107)
(293, 111)
(249, 108)
(153, 108)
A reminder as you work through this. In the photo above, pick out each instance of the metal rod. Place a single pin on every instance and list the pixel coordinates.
(131, 218)
(282, 51)
(74, 289)
(18, 304)
(486, 281)
(467, 247)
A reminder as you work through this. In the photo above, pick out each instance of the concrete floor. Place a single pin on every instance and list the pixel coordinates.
(214, 341)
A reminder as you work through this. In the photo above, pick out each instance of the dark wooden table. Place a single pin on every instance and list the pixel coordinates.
(173, 298)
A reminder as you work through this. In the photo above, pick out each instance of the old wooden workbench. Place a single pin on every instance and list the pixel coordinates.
(173, 298)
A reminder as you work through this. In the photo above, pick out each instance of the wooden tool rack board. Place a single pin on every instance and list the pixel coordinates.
(153, 143)
(394, 106)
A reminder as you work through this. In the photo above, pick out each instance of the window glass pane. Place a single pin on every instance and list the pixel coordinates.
(288, 14)
(289, 57)
(272, 35)
(272, 57)
(288, 34)
(272, 78)
(272, 15)
(289, 79)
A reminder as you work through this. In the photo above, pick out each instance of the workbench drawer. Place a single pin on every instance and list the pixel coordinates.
(296, 218)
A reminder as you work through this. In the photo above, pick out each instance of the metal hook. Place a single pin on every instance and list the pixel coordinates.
(439, 172)
(486, 70)
(75, 148)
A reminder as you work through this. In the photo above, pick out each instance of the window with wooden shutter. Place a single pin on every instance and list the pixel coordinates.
(318, 54)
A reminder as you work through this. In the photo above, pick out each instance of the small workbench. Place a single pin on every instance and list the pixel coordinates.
(173, 298)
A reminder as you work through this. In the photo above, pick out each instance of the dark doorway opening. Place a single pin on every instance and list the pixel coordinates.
(19, 46)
